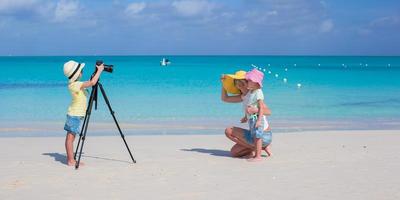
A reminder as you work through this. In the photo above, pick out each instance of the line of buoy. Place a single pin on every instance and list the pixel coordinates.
(319, 65)
(299, 85)
(285, 79)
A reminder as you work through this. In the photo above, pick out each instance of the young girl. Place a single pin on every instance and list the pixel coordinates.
(77, 108)
(260, 134)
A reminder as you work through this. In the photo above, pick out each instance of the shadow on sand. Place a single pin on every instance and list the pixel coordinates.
(213, 152)
(57, 157)
(62, 158)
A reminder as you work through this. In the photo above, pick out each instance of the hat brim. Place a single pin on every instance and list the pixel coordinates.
(234, 76)
(76, 75)
(229, 85)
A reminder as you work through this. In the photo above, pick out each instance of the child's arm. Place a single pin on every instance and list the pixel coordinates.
(260, 112)
(253, 109)
(266, 110)
(95, 78)
(229, 99)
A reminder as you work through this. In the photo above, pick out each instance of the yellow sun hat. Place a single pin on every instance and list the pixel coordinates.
(228, 82)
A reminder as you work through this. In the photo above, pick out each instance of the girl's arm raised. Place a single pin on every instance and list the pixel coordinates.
(95, 78)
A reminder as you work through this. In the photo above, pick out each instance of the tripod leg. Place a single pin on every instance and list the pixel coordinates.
(115, 120)
(84, 128)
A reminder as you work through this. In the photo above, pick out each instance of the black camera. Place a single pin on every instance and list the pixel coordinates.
(107, 68)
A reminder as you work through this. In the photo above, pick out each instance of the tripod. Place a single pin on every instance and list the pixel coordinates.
(82, 135)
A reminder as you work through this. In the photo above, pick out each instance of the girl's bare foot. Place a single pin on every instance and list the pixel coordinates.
(268, 151)
(255, 159)
(73, 163)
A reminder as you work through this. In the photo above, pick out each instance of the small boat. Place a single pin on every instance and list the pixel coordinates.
(165, 62)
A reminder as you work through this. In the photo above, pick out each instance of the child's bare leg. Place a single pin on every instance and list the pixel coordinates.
(267, 149)
(69, 145)
(257, 157)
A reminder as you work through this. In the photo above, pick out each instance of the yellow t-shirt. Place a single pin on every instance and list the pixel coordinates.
(79, 99)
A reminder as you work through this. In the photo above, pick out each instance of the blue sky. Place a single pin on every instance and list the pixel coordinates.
(199, 27)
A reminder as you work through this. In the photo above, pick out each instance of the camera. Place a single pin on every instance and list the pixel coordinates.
(107, 68)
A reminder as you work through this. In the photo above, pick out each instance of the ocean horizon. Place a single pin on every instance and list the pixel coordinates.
(363, 90)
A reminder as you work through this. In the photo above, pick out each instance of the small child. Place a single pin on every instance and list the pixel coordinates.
(260, 133)
(77, 108)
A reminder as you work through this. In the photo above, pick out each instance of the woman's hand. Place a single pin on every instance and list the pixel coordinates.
(222, 77)
(243, 120)
(251, 110)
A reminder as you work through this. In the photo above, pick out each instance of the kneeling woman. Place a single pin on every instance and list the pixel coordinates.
(236, 84)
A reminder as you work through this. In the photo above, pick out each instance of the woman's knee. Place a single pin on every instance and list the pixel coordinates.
(229, 132)
(240, 151)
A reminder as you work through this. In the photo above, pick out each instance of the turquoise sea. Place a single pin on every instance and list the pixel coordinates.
(355, 92)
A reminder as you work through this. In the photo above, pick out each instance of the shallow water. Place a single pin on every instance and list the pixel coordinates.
(141, 91)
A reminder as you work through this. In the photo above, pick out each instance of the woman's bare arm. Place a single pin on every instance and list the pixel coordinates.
(230, 99)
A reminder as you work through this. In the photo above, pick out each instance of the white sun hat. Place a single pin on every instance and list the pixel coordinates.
(72, 70)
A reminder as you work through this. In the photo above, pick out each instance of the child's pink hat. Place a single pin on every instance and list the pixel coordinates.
(255, 76)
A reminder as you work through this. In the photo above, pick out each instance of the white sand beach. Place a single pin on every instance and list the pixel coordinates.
(306, 165)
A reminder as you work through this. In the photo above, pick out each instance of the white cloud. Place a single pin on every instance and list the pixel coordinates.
(326, 26)
(135, 8)
(379, 24)
(2, 24)
(364, 31)
(271, 13)
(283, 16)
(15, 4)
(324, 4)
(227, 15)
(241, 28)
(65, 10)
(12, 5)
(193, 7)
(385, 21)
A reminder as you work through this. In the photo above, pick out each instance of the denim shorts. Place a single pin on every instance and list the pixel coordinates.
(73, 124)
(254, 132)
